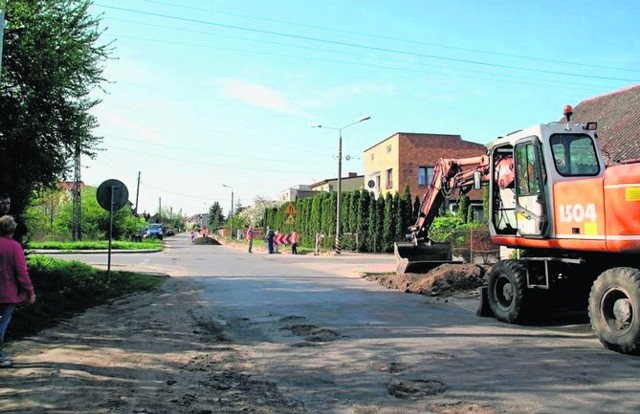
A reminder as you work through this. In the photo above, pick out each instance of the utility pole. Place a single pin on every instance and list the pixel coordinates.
(137, 194)
(159, 209)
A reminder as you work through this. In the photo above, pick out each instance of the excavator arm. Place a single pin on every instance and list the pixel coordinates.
(449, 176)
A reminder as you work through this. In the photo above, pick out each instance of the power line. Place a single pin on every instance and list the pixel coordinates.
(498, 77)
(413, 41)
(208, 153)
(374, 48)
(225, 134)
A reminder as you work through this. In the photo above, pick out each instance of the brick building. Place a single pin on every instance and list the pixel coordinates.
(409, 158)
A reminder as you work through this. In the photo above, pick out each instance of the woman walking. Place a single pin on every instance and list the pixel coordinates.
(15, 284)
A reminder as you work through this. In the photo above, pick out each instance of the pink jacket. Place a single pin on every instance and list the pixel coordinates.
(15, 283)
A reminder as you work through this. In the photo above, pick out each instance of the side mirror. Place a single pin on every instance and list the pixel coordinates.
(477, 180)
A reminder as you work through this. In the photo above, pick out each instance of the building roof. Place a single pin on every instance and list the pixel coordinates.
(618, 117)
(69, 185)
(350, 176)
(431, 140)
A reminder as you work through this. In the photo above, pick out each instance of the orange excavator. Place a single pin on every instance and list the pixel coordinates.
(574, 224)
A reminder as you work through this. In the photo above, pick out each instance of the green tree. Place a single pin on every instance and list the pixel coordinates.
(315, 223)
(42, 212)
(254, 214)
(362, 220)
(328, 223)
(417, 203)
(216, 219)
(379, 223)
(463, 208)
(485, 204)
(405, 215)
(389, 226)
(95, 220)
(51, 63)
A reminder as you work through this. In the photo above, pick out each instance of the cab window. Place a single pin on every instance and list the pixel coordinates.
(526, 172)
(574, 155)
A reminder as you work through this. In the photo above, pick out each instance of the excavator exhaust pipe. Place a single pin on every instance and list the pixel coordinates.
(421, 257)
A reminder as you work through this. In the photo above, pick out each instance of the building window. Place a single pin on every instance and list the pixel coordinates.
(425, 175)
(388, 148)
(390, 178)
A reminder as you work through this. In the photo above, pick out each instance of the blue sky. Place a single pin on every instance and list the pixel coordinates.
(211, 93)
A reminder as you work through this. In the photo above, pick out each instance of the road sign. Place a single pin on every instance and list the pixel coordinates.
(112, 195)
(282, 239)
(290, 219)
(291, 209)
(119, 198)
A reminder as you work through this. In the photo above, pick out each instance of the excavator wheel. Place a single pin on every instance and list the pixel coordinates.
(614, 309)
(506, 292)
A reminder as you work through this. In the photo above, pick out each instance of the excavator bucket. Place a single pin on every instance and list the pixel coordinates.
(421, 257)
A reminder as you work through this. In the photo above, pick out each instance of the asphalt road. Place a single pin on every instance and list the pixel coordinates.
(339, 343)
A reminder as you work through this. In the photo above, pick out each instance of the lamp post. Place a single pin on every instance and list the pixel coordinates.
(339, 195)
(230, 211)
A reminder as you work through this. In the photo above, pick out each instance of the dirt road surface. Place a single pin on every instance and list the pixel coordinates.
(162, 352)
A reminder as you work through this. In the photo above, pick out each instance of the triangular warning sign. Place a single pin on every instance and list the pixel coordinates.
(291, 209)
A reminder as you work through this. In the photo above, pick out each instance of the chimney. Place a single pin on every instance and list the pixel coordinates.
(353, 174)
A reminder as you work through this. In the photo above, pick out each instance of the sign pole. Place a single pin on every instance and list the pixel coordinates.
(112, 195)
(113, 190)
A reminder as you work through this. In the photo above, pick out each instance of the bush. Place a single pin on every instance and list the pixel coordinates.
(64, 288)
(444, 227)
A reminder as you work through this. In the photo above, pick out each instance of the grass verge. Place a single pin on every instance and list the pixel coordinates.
(95, 245)
(65, 288)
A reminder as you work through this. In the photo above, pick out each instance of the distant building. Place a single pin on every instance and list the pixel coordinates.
(296, 193)
(69, 185)
(197, 220)
(349, 183)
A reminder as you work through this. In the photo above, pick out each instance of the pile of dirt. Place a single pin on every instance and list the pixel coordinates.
(446, 279)
(206, 240)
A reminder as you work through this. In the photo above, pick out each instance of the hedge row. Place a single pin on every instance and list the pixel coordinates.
(367, 225)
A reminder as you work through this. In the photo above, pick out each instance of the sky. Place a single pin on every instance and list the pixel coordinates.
(209, 99)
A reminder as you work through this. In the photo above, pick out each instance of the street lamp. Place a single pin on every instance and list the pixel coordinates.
(339, 195)
(230, 211)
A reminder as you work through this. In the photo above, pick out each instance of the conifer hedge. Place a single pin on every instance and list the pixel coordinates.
(368, 224)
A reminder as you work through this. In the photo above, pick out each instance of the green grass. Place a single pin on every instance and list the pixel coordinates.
(65, 288)
(95, 245)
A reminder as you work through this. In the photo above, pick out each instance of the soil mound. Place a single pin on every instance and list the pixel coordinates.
(206, 240)
(446, 279)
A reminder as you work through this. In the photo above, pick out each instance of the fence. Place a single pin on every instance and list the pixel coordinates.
(474, 246)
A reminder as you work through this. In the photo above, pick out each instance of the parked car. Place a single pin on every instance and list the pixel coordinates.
(154, 230)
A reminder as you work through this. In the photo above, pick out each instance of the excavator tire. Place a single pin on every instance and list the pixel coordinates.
(614, 309)
(507, 291)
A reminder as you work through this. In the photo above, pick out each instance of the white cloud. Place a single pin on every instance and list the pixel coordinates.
(257, 95)
(124, 126)
(345, 92)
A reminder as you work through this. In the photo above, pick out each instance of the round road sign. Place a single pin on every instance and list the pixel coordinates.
(115, 188)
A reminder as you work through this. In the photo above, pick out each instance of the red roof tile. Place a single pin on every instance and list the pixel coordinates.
(618, 117)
